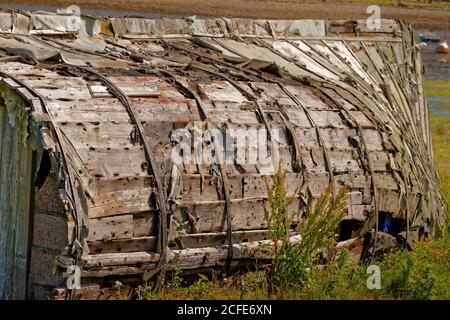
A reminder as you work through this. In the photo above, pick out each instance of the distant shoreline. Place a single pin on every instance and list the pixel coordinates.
(419, 17)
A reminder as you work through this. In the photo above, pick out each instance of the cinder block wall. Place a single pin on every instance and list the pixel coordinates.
(49, 237)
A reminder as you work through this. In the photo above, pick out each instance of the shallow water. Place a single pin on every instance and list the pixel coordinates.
(437, 65)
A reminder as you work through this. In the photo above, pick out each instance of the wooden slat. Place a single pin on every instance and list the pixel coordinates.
(120, 202)
(208, 216)
(154, 110)
(144, 224)
(332, 137)
(120, 259)
(110, 228)
(123, 245)
(107, 134)
(90, 116)
(91, 105)
(124, 183)
(201, 240)
(342, 160)
(220, 90)
(114, 162)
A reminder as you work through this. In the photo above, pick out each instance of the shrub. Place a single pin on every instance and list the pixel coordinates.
(293, 264)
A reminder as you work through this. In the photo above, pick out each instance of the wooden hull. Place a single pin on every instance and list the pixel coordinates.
(131, 206)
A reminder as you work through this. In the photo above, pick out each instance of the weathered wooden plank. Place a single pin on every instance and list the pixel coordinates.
(234, 116)
(358, 212)
(144, 224)
(362, 120)
(124, 183)
(154, 110)
(22, 223)
(271, 92)
(317, 182)
(90, 116)
(123, 245)
(354, 247)
(131, 86)
(114, 162)
(65, 93)
(119, 259)
(297, 117)
(110, 228)
(208, 257)
(308, 98)
(390, 201)
(240, 186)
(107, 134)
(201, 240)
(332, 137)
(8, 201)
(328, 119)
(208, 216)
(342, 160)
(120, 202)
(380, 160)
(94, 292)
(91, 105)
(186, 258)
(53, 82)
(255, 185)
(101, 272)
(11, 83)
(197, 188)
(220, 90)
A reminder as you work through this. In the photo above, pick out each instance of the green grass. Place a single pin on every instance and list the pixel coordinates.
(440, 133)
(437, 87)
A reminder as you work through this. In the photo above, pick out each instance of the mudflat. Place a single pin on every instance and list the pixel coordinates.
(420, 14)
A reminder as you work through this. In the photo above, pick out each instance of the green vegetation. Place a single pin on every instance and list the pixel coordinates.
(440, 132)
(291, 270)
(437, 88)
(421, 273)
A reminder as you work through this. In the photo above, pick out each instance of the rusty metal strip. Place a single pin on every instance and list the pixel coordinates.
(161, 199)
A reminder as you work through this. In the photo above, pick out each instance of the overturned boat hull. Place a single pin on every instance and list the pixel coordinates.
(107, 103)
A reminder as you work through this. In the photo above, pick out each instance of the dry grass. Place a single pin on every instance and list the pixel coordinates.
(419, 14)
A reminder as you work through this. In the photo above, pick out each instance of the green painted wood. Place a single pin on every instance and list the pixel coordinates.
(15, 190)
(5, 209)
